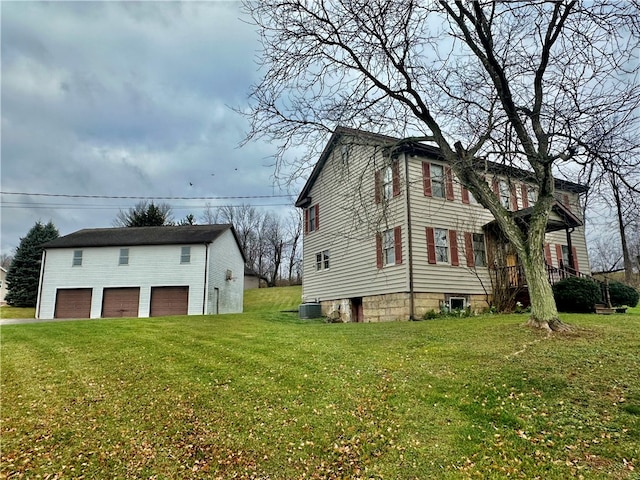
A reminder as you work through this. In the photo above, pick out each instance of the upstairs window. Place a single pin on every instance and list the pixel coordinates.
(312, 218)
(124, 257)
(185, 255)
(505, 194)
(437, 180)
(77, 258)
(387, 182)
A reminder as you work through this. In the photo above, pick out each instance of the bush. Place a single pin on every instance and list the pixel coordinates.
(577, 295)
(622, 294)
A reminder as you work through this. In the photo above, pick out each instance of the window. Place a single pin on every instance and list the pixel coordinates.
(457, 303)
(505, 194)
(387, 182)
(532, 196)
(442, 245)
(437, 180)
(389, 247)
(565, 256)
(185, 255)
(479, 252)
(311, 218)
(77, 258)
(322, 260)
(124, 257)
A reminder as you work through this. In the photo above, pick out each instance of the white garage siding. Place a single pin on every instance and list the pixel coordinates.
(225, 287)
(149, 266)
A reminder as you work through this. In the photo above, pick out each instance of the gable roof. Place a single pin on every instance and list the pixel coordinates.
(135, 236)
(416, 148)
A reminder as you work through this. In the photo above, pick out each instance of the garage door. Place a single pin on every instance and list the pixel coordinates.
(73, 303)
(169, 301)
(120, 302)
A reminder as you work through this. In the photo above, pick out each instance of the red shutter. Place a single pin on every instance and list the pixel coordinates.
(525, 195)
(574, 252)
(395, 171)
(453, 243)
(495, 185)
(306, 221)
(426, 179)
(317, 216)
(465, 194)
(397, 240)
(448, 177)
(514, 198)
(378, 250)
(565, 201)
(559, 254)
(431, 245)
(378, 187)
(547, 254)
(468, 249)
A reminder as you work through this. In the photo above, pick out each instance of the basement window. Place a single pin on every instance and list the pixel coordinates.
(457, 303)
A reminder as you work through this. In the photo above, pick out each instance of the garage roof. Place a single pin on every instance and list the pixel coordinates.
(132, 236)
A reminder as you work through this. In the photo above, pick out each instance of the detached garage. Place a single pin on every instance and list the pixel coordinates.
(142, 272)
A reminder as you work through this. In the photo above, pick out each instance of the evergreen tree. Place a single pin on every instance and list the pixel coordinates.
(24, 273)
(145, 214)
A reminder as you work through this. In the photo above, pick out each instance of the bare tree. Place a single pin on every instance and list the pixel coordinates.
(294, 236)
(5, 260)
(520, 83)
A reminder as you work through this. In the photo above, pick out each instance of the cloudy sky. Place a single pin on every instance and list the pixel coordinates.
(126, 99)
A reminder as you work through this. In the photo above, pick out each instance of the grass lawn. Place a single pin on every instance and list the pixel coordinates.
(7, 311)
(267, 395)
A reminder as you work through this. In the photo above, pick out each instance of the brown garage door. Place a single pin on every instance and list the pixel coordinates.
(73, 303)
(169, 301)
(120, 302)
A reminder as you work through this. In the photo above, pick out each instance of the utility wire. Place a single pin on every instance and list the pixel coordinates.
(135, 197)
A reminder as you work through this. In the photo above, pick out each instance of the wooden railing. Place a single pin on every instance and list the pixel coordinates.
(514, 277)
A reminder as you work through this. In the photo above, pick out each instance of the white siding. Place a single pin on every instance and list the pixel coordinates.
(348, 221)
(148, 266)
(225, 295)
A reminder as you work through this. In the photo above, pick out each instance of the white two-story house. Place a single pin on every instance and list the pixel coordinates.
(142, 272)
(390, 238)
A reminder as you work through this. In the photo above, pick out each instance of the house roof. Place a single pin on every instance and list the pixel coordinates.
(134, 236)
(561, 218)
(421, 149)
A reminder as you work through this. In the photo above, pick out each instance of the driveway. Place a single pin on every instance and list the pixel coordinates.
(20, 321)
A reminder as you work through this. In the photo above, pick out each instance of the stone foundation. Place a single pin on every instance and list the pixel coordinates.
(392, 307)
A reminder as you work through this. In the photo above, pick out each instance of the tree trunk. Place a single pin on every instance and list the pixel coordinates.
(544, 313)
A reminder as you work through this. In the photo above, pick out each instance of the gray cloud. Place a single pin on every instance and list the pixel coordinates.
(123, 99)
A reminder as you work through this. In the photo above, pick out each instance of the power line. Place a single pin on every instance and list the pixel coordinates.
(136, 197)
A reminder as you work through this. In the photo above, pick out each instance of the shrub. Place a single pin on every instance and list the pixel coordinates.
(622, 294)
(578, 295)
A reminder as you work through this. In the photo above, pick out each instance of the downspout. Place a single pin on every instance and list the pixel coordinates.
(206, 278)
(39, 305)
(572, 261)
(409, 239)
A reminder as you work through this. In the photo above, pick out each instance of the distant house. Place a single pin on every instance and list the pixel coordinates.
(142, 272)
(3, 286)
(389, 232)
(251, 279)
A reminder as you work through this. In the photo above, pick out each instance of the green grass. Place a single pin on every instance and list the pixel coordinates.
(7, 311)
(267, 395)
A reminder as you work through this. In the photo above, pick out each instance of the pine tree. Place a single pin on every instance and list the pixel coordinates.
(145, 215)
(24, 273)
